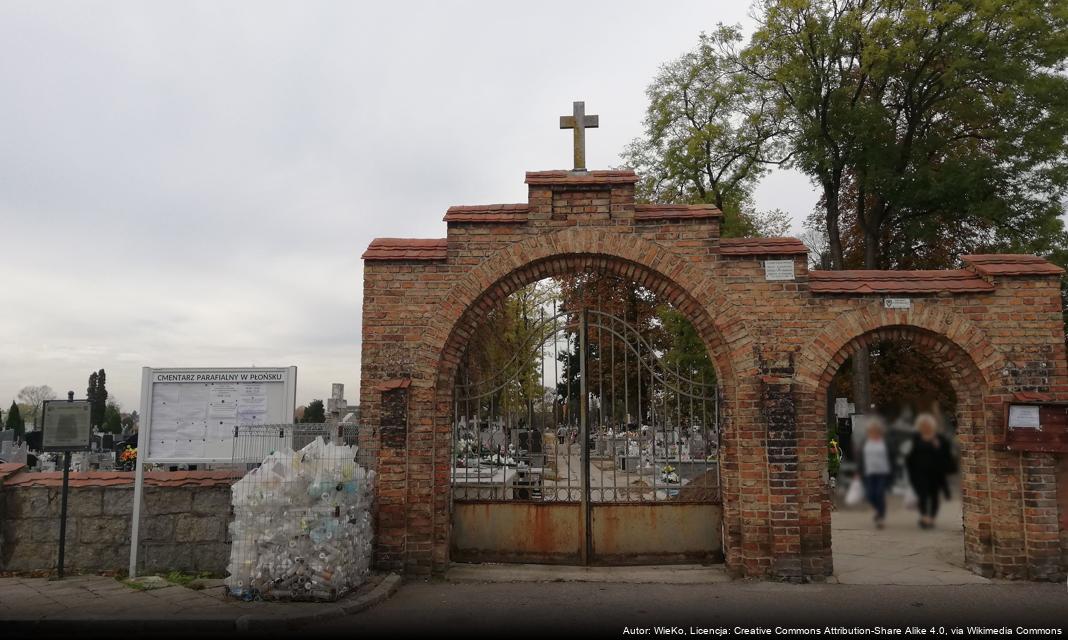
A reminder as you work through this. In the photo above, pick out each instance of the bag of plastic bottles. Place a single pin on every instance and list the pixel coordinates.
(302, 526)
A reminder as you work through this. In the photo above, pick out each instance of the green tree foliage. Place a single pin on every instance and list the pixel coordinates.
(15, 421)
(505, 359)
(314, 413)
(710, 134)
(97, 395)
(112, 419)
(927, 123)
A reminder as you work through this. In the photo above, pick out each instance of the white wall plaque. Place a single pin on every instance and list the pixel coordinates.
(1024, 417)
(841, 408)
(897, 303)
(778, 269)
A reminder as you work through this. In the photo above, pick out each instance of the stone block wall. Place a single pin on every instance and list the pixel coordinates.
(184, 523)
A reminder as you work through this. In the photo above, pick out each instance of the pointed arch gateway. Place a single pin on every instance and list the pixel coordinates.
(772, 328)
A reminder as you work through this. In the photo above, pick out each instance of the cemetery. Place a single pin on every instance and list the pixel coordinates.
(657, 318)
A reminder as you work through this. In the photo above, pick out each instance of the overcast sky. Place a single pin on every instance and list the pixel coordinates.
(192, 183)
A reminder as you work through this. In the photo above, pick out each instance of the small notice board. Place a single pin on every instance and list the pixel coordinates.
(189, 415)
(1036, 426)
(65, 425)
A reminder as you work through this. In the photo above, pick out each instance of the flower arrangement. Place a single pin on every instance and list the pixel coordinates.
(128, 458)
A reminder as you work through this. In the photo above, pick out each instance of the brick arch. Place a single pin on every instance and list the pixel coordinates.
(960, 332)
(959, 351)
(690, 290)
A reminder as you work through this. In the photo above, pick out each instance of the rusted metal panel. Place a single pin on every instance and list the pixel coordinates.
(656, 533)
(517, 532)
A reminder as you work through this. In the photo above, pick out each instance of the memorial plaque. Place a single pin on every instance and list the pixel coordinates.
(897, 303)
(778, 269)
(65, 426)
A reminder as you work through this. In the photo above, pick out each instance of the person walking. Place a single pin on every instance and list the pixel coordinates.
(876, 466)
(929, 463)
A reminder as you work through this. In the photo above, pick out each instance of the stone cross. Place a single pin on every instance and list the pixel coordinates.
(579, 121)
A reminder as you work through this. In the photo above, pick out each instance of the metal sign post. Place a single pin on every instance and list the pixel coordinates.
(66, 427)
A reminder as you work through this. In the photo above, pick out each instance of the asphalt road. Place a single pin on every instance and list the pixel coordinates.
(509, 610)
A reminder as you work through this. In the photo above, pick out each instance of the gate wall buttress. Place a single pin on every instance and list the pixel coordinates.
(770, 340)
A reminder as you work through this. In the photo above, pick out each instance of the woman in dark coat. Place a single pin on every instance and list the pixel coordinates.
(929, 463)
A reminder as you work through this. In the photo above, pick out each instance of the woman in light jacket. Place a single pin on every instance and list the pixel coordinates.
(876, 463)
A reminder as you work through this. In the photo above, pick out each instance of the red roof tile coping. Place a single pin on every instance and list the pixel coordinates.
(9, 468)
(1032, 396)
(625, 176)
(675, 211)
(488, 213)
(123, 478)
(876, 281)
(762, 247)
(395, 383)
(407, 249)
(1009, 264)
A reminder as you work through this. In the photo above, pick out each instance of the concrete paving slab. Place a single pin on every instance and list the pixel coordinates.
(901, 553)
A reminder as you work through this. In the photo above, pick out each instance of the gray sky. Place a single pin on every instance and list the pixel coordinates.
(192, 183)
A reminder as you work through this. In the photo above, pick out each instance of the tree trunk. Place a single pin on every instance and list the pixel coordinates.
(834, 235)
(862, 358)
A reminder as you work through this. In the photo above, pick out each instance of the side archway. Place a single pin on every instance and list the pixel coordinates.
(963, 355)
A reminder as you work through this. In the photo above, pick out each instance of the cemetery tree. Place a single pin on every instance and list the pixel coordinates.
(711, 133)
(15, 421)
(130, 421)
(34, 397)
(314, 413)
(97, 395)
(112, 419)
(918, 119)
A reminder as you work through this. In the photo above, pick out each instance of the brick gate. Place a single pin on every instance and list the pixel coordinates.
(994, 328)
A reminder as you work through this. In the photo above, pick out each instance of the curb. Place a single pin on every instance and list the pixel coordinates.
(216, 625)
(385, 589)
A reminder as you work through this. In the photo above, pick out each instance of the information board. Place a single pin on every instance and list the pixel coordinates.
(189, 415)
(66, 425)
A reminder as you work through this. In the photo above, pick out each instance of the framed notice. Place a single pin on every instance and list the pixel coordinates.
(1036, 426)
(65, 425)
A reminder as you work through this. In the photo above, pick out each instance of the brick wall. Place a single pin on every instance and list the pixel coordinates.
(995, 326)
(184, 522)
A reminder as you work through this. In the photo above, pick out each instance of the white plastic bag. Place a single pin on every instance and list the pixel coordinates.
(855, 494)
(911, 500)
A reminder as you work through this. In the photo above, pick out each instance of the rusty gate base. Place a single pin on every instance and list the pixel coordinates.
(621, 533)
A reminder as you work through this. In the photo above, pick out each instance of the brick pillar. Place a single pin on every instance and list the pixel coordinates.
(1040, 521)
(778, 405)
(391, 518)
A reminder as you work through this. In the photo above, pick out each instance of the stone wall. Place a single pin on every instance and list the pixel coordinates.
(183, 527)
(995, 325)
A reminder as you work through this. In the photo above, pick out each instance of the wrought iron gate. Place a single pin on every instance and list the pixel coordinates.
(588, 446)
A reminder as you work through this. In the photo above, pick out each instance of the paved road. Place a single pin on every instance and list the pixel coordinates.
(508, 610)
